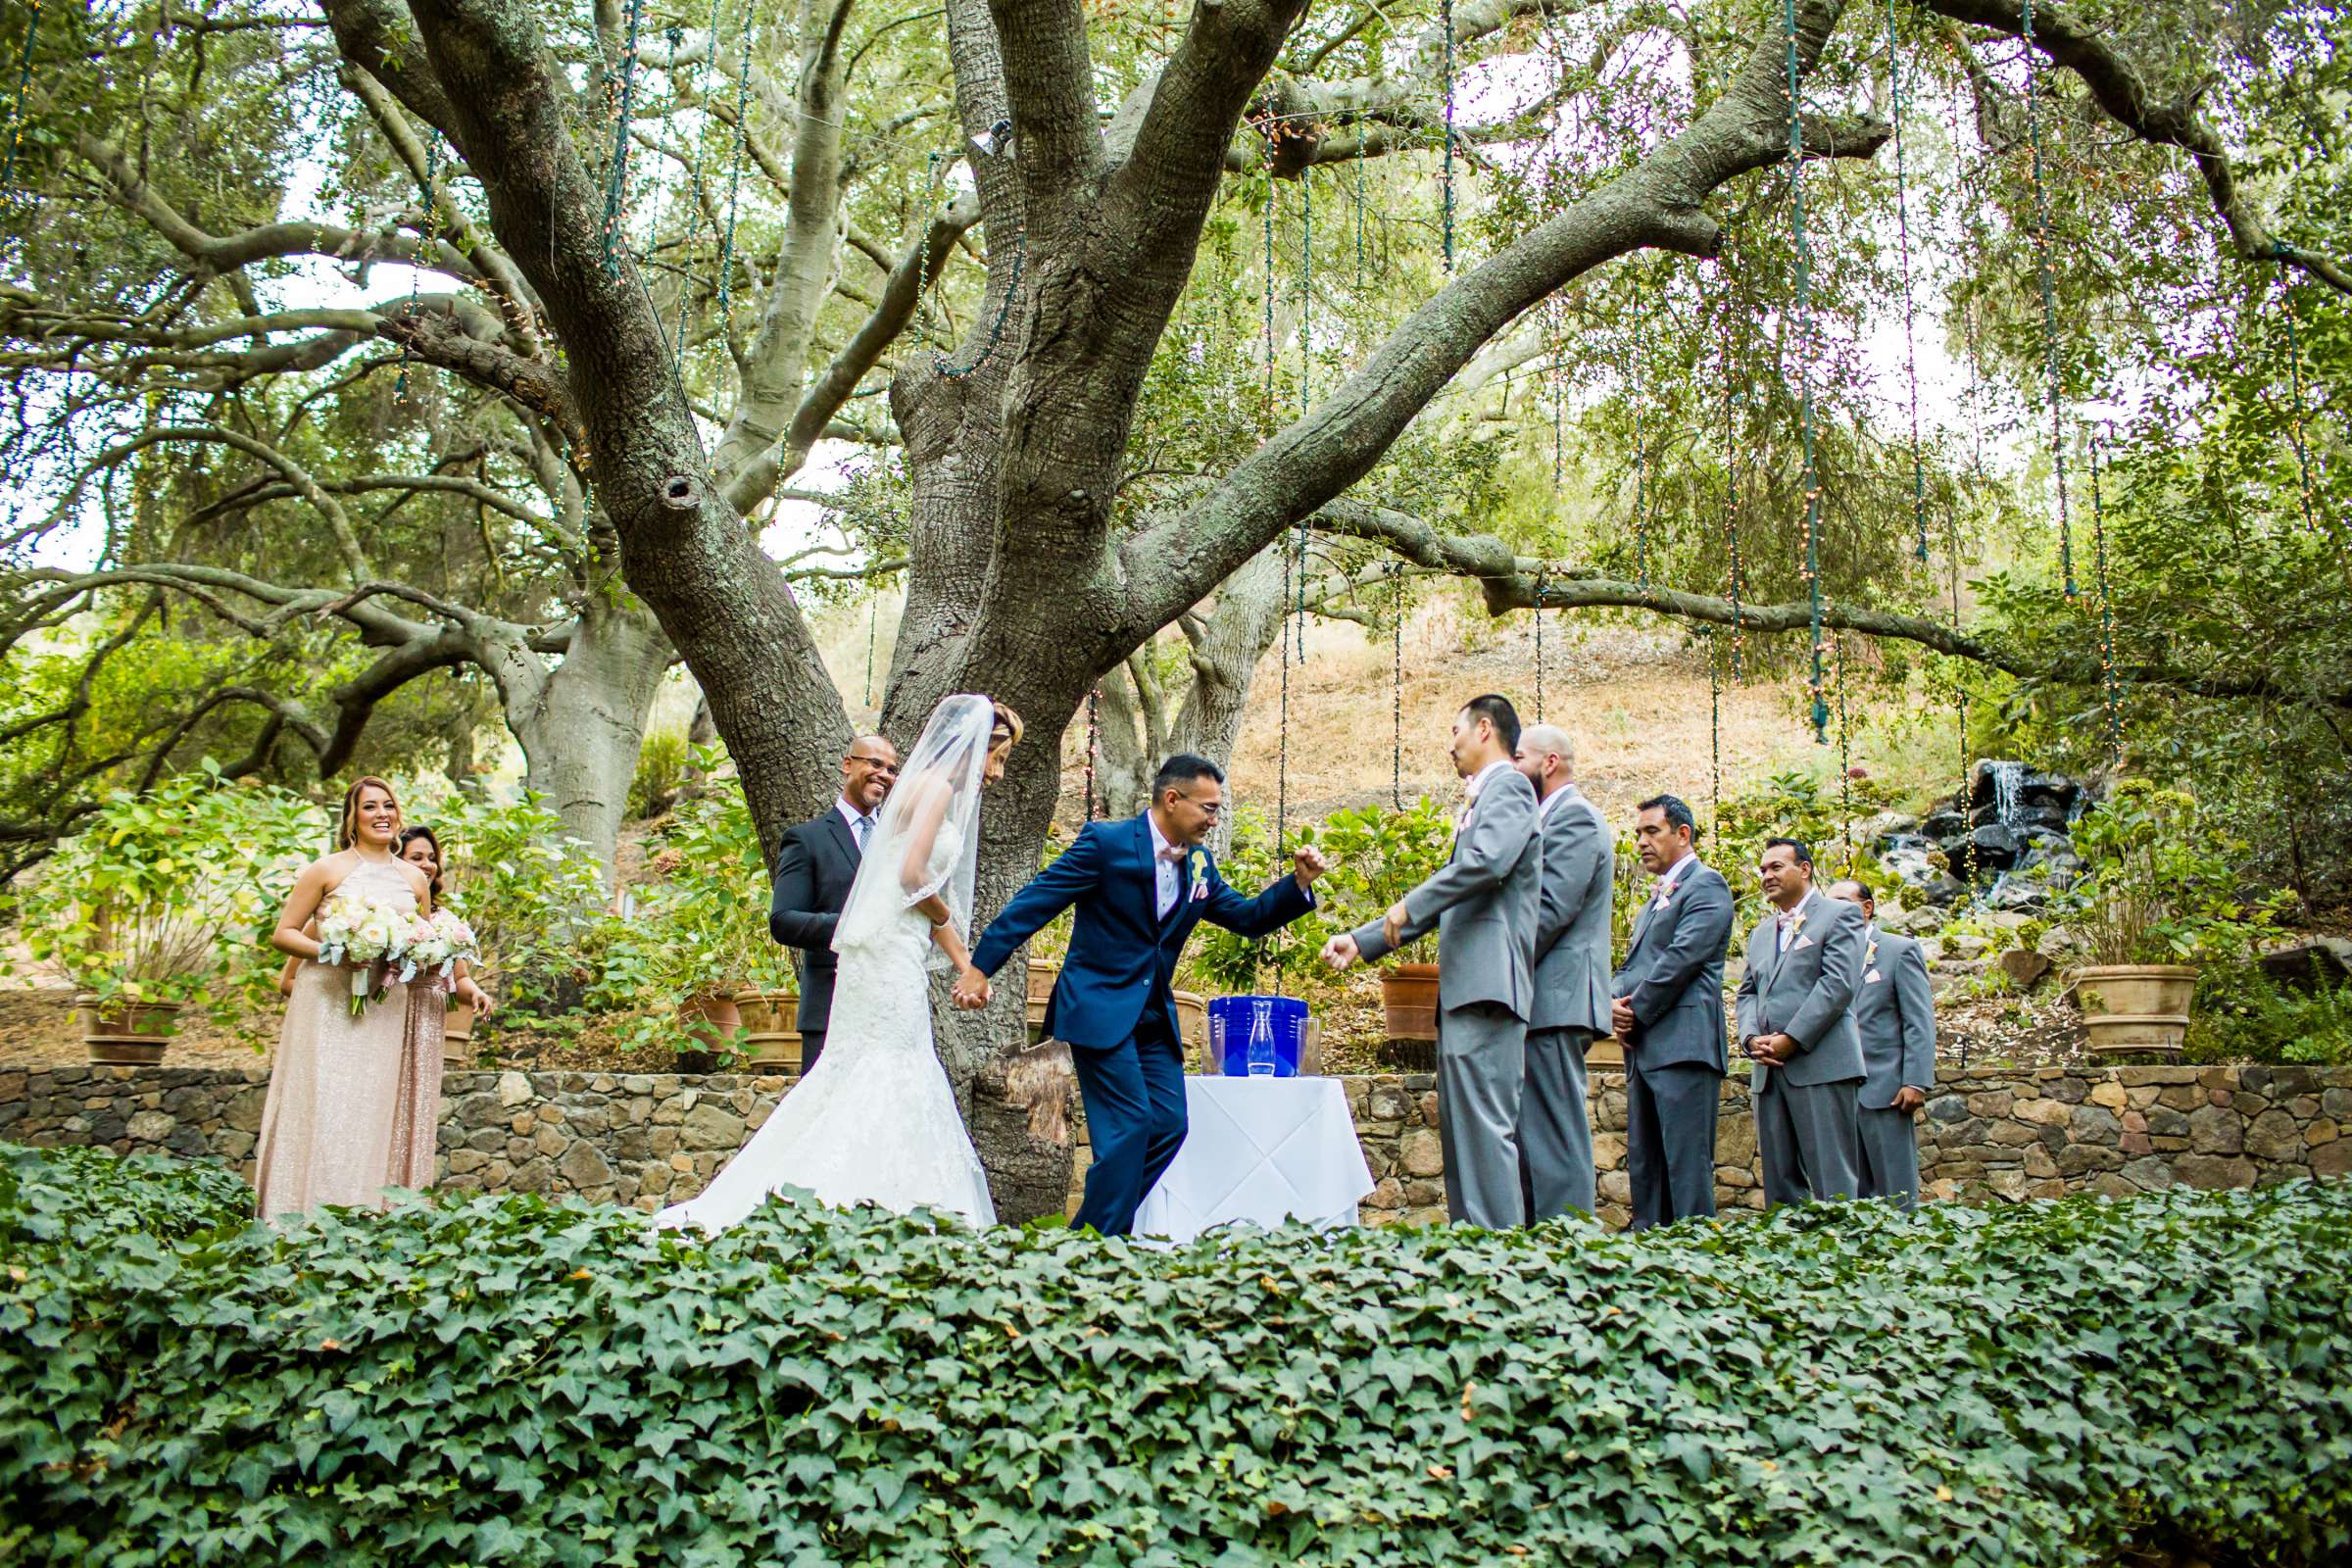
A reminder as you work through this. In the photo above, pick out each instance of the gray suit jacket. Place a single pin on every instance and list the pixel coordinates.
(1895, 1013)
(1482, 903)
(1807, 991)
(1572, 918)
(1673, 974)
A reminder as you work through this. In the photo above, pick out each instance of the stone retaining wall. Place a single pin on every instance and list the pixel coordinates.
(652, 1138)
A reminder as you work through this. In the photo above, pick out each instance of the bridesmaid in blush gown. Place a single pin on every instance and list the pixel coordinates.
(338, 1091)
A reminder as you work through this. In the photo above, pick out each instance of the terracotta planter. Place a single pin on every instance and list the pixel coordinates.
(772, 1021)
(710, 1023)
(1192, 1022)
(127, 1034)
(1606, 1051)
(457, 1036)
(1408, 994)
(2135, 1010)
(2143, 990)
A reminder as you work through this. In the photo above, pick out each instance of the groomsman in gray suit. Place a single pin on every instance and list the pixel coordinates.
(1667, 1008)
(1482, 903)
(1804, 962)
(1572, 978)
(1895, 1013)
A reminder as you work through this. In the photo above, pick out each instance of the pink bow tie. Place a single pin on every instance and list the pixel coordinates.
(1174, 855)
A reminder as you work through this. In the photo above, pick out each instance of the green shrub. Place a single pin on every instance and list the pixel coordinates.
(504, 1380)
(532, 893)
(660, 769)
(1798, 805)
(2240, 1015)
(1217, 962)
(170, 896)
(2162, 886)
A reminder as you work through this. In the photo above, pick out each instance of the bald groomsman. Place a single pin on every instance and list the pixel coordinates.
(815, 864)
(1571, 1006)
(1667, 1008)
(1805, 961)
(1895, 1013)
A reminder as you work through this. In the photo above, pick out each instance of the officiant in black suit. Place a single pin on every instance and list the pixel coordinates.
(815, 864)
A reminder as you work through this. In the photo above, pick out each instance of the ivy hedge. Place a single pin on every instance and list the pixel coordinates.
(510, 1381)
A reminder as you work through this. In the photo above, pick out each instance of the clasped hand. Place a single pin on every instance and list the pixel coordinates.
(1772, 1049)
(972, 991)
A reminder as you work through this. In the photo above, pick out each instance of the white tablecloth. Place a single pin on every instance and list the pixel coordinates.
(1260, 1150)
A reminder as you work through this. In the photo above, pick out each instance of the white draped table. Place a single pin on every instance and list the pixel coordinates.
(1260, 1150)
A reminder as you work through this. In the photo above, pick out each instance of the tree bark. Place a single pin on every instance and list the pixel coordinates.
(582, 724)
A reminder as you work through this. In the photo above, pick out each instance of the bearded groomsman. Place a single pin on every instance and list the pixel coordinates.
(1805, 961)
(1571, 1006)
(1895, 1013)
(1667, 1008)
(815, 864)
(1482, 903)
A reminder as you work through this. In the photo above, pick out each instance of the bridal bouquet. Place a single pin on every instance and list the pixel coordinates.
(364, 933)
(437, 943)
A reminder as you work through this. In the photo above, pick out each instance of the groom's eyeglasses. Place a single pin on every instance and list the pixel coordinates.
(1204, 807)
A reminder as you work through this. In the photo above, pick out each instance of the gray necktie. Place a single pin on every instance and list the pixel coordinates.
(858, 831)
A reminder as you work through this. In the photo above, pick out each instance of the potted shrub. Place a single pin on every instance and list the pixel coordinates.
(161, 906)
(1378, 856)
(700, 940)
(2157, 898)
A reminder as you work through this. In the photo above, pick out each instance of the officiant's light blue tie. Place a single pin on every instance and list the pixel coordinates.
(864, 825)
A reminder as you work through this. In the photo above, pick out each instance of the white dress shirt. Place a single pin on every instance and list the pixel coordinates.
(861, 826)
(1169, 873)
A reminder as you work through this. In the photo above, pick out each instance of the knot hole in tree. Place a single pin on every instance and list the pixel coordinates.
(681, 494)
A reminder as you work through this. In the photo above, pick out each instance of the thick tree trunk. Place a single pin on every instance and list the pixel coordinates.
(583, 725)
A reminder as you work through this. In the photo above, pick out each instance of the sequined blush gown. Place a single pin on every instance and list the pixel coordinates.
(354, 1104)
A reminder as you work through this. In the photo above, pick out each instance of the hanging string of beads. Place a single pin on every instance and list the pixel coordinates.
(1714, 728)
(2049, 299)
(1539, 612)
(873, 618)
(1269, 415)
(1902, 229)
(1445, 10)
(942, 364)
(2109, 678)
(1306, 286)
(616, 173)
(1640, 443)
(1845, 756)
(1804, 374)
(15, 104)
(743, 138)
(1733, 400)
(697, 77)
(1360, 135)
(1397, 684)
(425, 231)
(2307, 485)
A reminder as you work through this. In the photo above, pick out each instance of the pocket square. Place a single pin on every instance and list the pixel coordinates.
(1871, 979)
(1199, 892)
(1804, 942)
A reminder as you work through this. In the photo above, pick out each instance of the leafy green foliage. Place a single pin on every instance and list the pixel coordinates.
(660, 769)
(2240, 1015)
(2161, 887)
(477, 1380)
(1798, 805)
(167, 897)
(532, 894)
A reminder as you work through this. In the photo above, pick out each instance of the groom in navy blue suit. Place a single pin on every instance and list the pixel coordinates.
(1140, 886)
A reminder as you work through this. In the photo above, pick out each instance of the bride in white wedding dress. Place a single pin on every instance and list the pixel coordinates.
(874, 1121)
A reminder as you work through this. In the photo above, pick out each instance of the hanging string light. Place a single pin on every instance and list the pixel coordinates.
(1845, 756)
(1538, 611)
(1445, 10)
(1902, 229)
(2109, 678)
(1397, 684)
(942, 366)
(1640, 444)
(1733, 400)
(616, 173)
(1094, 743)
(1714, 728)
(2049, 299)
(424, 234)
(2307, 485)
(15, 104)
(1804, 375)
(742, 137)
(1268, 418)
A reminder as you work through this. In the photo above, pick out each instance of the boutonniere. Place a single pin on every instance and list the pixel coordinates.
(1796, 922)
(1870, 954)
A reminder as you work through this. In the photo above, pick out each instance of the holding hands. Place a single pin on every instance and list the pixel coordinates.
(972, 989)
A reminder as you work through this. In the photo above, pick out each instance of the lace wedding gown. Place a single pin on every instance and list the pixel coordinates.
(874, 1121)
